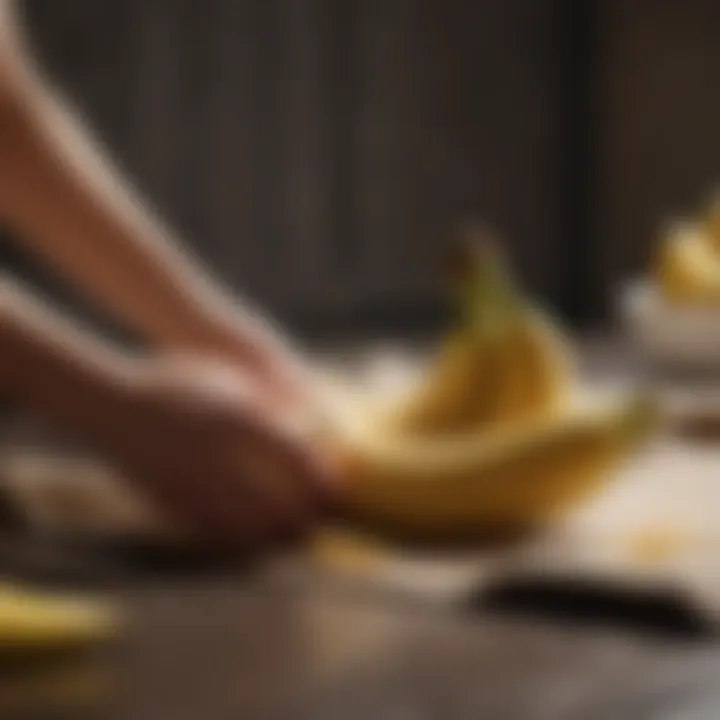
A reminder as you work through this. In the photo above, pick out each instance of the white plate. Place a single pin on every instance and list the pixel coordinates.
(666, 335)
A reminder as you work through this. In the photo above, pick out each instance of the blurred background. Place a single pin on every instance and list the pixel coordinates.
(318, 154)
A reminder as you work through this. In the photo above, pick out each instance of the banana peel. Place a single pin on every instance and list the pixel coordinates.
(346, 550)
(34, 622)
(687, 266)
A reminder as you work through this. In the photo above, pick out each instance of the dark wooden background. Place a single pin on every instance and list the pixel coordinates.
(658, 119)
(318, 153)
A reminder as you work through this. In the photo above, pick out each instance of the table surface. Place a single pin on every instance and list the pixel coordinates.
(223, 645)
(232, 649)
(218, 643)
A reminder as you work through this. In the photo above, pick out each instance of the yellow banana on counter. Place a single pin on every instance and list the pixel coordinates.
(536, 375)
(687, 268)
(506, 362)
(539, 373)
(459, 389)
(513, 478)
(488, 442)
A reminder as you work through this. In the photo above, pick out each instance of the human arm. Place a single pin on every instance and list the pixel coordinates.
(61, 195)
(193, 436)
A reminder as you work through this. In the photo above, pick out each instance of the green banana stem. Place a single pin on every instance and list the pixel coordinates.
(489, 300)
(502, 294)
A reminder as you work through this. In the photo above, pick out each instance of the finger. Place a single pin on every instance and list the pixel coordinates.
(289, 387)
(330, 491)
(301, 469)
(270, 482)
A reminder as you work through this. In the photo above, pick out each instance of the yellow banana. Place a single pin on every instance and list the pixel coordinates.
(687, 268)
(536, 373)
(539, 370)
(509, 479)
(506, 362)
(68, 688)
(42, 621)
(459, 389)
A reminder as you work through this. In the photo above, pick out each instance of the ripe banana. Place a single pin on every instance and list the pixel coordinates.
(457, 392)
(459, 389)
(512, 478)
(535, 377)
(540, 368)
(687, 267)
(507, 362)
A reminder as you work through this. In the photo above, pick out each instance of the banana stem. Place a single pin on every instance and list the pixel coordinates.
(489, 299)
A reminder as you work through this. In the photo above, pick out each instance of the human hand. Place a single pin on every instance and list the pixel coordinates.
(200, 438)
(282, 376)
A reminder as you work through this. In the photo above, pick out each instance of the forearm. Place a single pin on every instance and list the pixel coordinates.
(62, 196)
(53, 369)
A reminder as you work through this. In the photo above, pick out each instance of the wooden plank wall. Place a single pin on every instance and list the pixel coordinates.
(316, 152)
(659, 130)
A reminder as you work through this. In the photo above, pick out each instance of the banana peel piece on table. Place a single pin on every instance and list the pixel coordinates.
(488, 443)
(45, 637)
(37, 622)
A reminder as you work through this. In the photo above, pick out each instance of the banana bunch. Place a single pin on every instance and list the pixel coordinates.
(505, 361)
(489, 442)
(687, 264)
